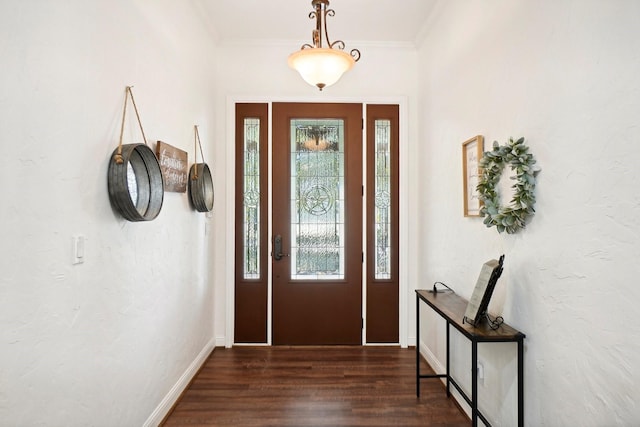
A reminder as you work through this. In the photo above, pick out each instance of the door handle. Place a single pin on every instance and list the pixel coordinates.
(277, 248)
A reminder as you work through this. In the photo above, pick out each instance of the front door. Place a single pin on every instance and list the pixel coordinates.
(317, 214)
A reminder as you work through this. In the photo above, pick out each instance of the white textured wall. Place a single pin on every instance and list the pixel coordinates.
(100, 343)
(564, 74)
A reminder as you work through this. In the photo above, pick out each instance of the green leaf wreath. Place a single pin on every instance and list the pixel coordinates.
(513, 217)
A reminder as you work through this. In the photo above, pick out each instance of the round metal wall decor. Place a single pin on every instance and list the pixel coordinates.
(201, 187)
(136, 186)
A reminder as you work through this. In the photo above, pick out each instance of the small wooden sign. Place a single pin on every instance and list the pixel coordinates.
(173, 164)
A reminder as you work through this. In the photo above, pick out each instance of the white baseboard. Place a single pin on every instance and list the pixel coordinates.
(439, 368)
(411, 341)
(172, 397)
(432, 360)
(221, 341)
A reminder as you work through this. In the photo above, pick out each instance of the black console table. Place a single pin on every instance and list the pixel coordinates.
(452, 308)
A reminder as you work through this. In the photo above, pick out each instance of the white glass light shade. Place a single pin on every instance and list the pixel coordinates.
(321, 67)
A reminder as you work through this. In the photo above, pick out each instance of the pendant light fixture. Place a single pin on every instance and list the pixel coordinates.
(319, 65)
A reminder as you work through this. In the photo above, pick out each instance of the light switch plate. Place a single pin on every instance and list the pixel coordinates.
(78, 243)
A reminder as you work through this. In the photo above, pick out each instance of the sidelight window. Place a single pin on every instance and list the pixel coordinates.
(251, 199)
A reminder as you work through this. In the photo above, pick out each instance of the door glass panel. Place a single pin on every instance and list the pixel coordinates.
(317, 199)
(382, 199)
(251, 197)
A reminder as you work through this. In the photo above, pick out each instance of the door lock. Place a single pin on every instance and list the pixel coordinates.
(277, 248)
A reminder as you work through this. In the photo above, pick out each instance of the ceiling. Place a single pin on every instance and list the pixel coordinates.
(268, 21)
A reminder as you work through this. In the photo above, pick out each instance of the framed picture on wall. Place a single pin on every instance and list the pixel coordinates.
(472, 150)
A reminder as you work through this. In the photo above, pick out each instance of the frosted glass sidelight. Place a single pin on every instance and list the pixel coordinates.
(317, 199)
(382, 199)
(251, 203)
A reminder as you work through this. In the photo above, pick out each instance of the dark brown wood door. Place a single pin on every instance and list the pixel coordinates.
(317, 224)
(383, 310)
(251, 240)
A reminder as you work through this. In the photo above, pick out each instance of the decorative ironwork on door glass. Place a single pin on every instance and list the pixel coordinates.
(383, 199)
(251, 192)
(317, 199)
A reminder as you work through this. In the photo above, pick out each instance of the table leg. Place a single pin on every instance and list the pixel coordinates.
(520, 383)
(448, 372)
(474, 383)
(417, 345)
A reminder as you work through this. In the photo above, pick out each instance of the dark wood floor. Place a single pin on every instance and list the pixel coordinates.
(314, 386)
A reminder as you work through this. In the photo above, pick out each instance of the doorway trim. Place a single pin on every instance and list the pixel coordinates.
(230, 189)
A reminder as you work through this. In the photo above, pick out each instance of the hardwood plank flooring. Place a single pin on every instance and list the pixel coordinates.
(314, 386)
